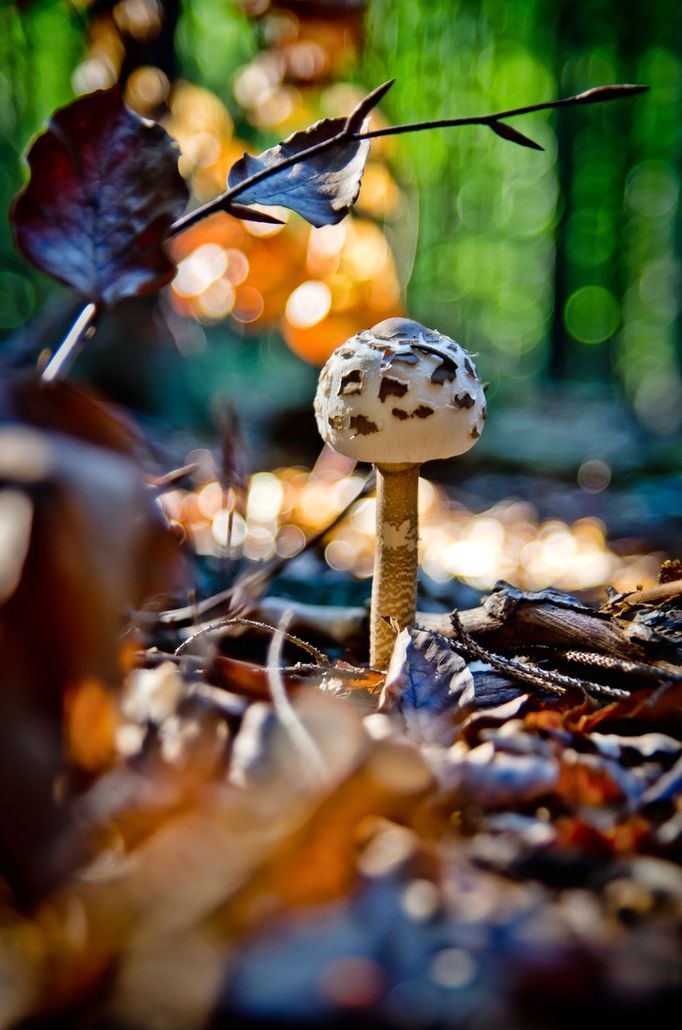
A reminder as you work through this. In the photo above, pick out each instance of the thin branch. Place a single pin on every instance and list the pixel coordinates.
(320, 658)
(69, 349)
(169, 480)
(189, 613)
(600, 94)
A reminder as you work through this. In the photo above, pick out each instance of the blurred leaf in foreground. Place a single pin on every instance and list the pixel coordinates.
(81, 541)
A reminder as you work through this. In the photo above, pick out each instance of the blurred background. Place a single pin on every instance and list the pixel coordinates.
(560, 269)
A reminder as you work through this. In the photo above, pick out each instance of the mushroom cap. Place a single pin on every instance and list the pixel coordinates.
(400, 393)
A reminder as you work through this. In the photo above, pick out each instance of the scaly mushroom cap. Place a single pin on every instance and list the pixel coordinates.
(400, 393)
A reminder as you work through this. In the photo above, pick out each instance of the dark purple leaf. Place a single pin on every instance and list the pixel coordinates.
(429, 685)
(103, 192)
(70, 410)
(513, 135)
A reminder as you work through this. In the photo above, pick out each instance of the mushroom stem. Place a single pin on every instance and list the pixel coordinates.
(394, 587)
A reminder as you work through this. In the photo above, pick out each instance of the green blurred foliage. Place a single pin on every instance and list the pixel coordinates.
(562, 265)
(39, 48)
(488, 209)
(213, 38)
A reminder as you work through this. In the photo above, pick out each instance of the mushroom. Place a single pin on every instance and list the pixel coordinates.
(397, 395)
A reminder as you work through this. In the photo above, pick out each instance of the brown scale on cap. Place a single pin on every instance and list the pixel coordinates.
(446, 372)
(392, 388)
(423, 411)
(351, 382)
(463, 400)
(362, 425)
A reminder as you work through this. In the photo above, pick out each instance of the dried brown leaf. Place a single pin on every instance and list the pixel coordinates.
(429, 685)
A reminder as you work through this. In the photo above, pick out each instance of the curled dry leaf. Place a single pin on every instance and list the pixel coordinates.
(429, 685)
(648, 747)
(653, 709)
(495, 778)
(595, 781)
(321, 188)
(103, 192)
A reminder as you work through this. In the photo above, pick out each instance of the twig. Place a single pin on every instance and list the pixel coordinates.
(626, 668)
(557, 682)
(598, 95)
(169, 479)
(319, 657)
(175, 616)
(69, 349)
(661, 592)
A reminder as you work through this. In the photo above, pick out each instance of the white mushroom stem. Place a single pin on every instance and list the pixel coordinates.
(394, 588)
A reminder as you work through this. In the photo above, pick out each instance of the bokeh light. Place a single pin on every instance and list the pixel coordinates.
(280, 510)
(591, 314)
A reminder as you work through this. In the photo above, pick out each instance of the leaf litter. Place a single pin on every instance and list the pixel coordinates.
(286, 839)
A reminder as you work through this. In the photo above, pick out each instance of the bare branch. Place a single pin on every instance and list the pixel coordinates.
(598, 95)
(225, 201)
(527, 672)
(69, 349)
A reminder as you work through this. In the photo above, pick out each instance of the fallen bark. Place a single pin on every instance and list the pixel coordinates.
(507, 621)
